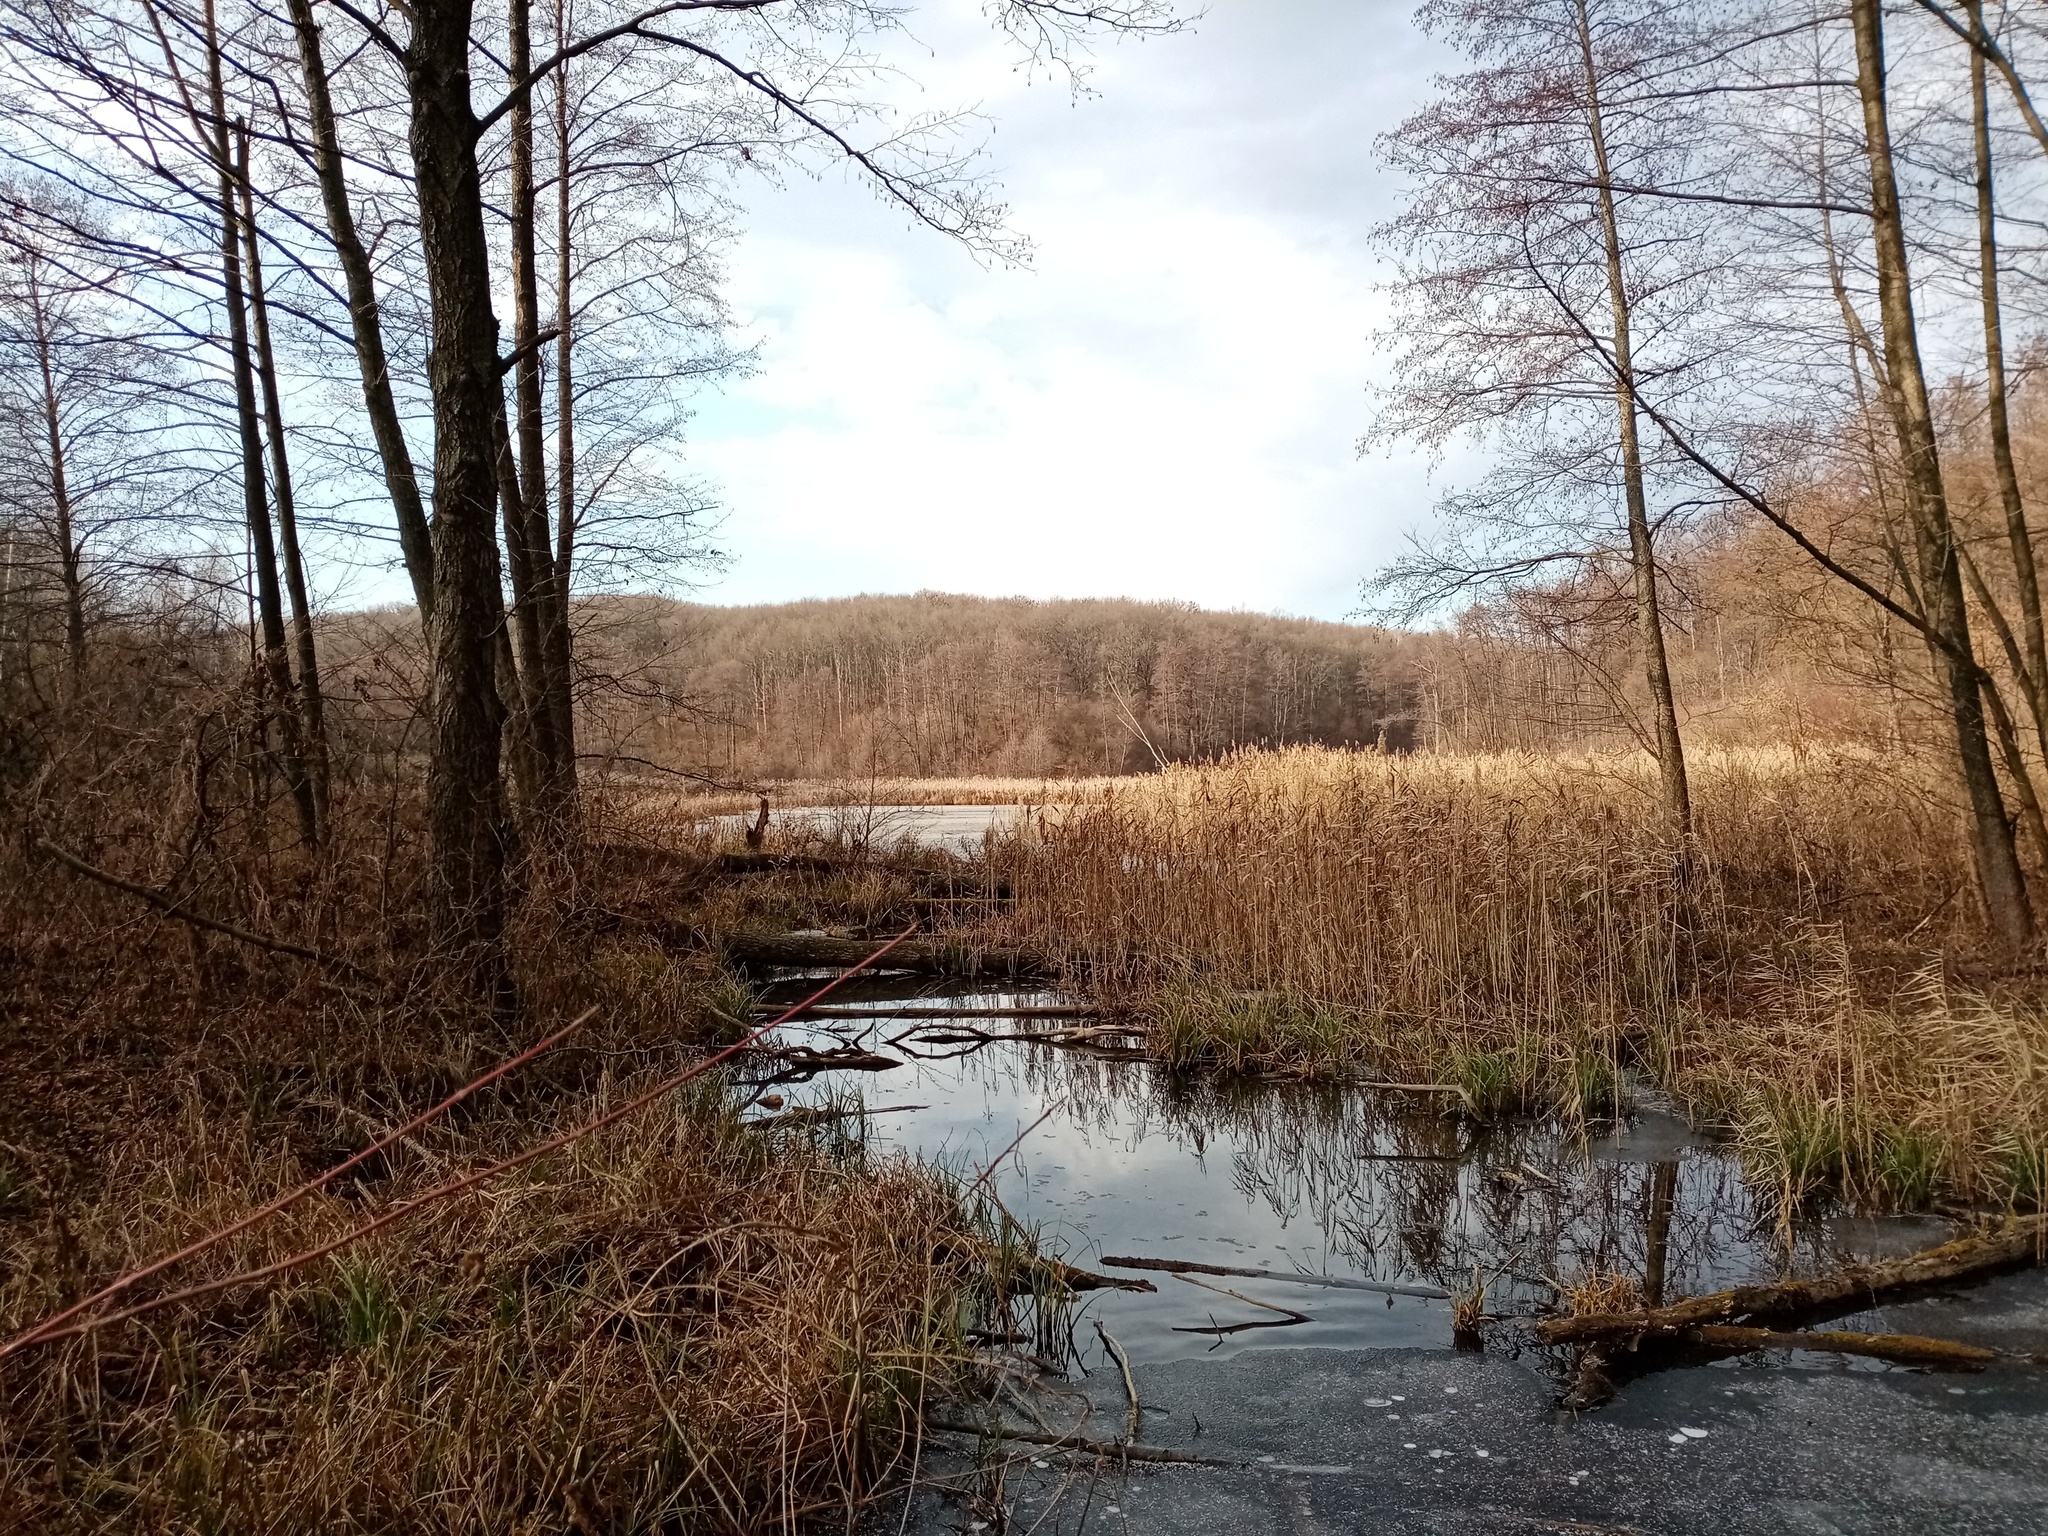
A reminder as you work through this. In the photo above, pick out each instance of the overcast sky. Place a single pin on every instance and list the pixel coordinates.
(1164, 404)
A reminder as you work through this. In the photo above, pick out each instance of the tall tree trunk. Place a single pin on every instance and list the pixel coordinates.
(1676, 792)
(401, 481)
(70, 558)
(274, 669)
(1998, 868)
(465, 793)
(548, 687)
(312, 705)
(558, 638)
(2034, 677)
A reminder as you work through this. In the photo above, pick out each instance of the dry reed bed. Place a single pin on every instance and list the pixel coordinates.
(1519, 925)
(674, 1324)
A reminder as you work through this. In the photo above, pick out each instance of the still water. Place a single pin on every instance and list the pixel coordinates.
(1108, 1155)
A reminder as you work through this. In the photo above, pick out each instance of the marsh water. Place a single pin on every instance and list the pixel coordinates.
(957, 829)
(1352, 1408)
(1104, 1154)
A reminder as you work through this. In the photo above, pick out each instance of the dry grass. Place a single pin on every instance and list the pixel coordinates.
(1516, 926)
(1602, 1291)
(675, 1323)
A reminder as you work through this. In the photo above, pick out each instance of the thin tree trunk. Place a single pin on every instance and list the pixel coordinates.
(465, 793)
(401, 481)
(1676, 792)
(2034, 676)
(557, 639)
(519, 663)
(548, 686)
(274, 669)
(70, 558)
(1999, 880)
(311, 703)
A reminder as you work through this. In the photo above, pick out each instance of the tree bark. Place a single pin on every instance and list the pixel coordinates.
(401, 481)
(1999, 879)
(311, 703)
(1675, 791)
(274, 679)
(465, 795)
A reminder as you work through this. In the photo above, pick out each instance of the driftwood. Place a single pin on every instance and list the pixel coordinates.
(923, 958)
(1335, 1282)
(1900, 1348)
(1854, 1288)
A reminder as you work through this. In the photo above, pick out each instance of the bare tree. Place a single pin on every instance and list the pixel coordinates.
(1532, 271)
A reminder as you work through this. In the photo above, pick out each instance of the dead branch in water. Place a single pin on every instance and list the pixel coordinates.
(1858, 1286)
(1899, 1348)
(1335, 1282)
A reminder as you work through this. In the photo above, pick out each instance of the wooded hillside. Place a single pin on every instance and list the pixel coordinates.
(938, 684)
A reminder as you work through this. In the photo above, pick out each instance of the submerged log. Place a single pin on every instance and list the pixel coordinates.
(922, 958)
(1858, 1286)
(1900, 1348)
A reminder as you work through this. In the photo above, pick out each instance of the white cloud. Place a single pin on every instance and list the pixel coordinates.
(1164, 405)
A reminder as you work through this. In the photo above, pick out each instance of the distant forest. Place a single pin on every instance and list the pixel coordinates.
(934, 684)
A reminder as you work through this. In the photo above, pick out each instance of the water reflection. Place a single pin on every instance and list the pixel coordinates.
(1324, 1179)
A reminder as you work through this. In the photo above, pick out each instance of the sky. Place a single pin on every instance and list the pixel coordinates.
(1165, 403)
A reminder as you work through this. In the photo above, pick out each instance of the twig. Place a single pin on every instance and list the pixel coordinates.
(185, 914)
(1264, 1306)
(457, 1186)
(1335, 1282)
(1123, 1361)
(124, 1282)
(1078, 1443)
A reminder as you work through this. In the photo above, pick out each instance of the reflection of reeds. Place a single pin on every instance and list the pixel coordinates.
(1518, 927)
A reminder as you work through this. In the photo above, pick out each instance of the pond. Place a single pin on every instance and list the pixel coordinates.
(955, 829)
(1345, 1390)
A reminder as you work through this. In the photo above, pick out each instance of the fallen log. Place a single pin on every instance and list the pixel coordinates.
(854, 1060)
(1336, 1282)
(923, 958)
(1900, 1348)
(1853, 1288)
